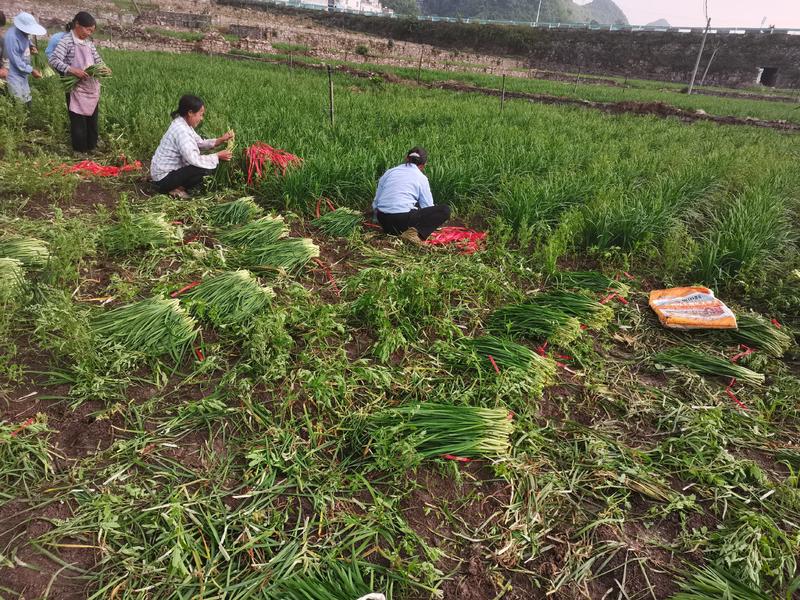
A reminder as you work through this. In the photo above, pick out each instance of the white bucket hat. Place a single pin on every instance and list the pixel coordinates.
(26, 23)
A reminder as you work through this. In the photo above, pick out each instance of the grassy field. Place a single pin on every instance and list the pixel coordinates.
(393, 419)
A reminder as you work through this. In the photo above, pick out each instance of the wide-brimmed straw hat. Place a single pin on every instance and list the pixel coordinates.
(26, 23)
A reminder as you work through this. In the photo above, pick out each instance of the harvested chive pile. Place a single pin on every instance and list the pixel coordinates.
(341, 222)
(288, 255)
(759, 333)
(590, 280)
(536, 322)
(228, 299)
(235, 212)
(587, 310)
(261, 232)
(30, 252)
(439, 429)
(137, 231)
(12, 279)
(152, 327)
(339, 582)
(506, 355)
(707, 364)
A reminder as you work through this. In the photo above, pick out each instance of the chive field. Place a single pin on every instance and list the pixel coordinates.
(248, 395)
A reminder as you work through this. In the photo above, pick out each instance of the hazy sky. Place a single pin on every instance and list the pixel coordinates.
(723, 13)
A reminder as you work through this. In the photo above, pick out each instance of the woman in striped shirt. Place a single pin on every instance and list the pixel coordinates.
(177, 165)
(73, 54)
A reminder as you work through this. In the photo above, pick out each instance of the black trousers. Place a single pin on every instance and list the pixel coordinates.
(186, 177)
(83, 130)
(424, 220)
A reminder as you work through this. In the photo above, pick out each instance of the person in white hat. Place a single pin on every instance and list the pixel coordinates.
(18, 54)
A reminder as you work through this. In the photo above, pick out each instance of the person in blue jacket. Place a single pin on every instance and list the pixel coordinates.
(403, 201)
(17, 51)
(54, 39)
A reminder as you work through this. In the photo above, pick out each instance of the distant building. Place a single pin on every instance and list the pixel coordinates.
(373, 6)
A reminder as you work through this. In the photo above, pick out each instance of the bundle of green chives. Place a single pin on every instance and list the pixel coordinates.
(341, 222)
(153, 327)
(288, 255)
(590, 280)
(339, 582)
(138, 231)
(12, 279)
(30, 252)
(235, 212)
(715, 583)
(756, 331)
(707, 364)
(587, 310)
(507, 355)
(466, 431)
(260, 232)
(228, 299)
(100, 71)
(538, 322)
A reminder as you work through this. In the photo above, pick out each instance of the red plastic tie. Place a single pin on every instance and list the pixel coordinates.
(608, 298)
(461, 459)
(467, 240)
(23, 426)
(259, 153)
(733, 397)
(185, 289)
(494, 364)
(199, 354)
(628, 275)
(621, 299)
(775, 322)
(319, 205)
(747, 351)
(88, 167)
(329, 275)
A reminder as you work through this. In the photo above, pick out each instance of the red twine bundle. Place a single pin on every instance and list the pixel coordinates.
(466, 239)
(260, 153)
(89, 167)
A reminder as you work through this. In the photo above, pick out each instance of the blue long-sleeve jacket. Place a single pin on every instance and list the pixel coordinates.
(17, 53)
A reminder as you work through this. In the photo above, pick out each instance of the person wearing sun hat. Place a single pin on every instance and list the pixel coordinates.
(17, 48)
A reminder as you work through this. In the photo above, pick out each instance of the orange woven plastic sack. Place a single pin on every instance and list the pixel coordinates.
(691, 308)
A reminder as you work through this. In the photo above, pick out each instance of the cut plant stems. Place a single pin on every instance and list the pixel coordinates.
(289, 255)
(537, 322)
(592, 281)
(30, 252)
(236, 212)
(588, 311)
(12, 280)
(228, 299)
(261, 232)
(506, 355)
(707, 364)
(341, 222)
(757, 332)
(444, 429)
(152, 327)
(99, 71)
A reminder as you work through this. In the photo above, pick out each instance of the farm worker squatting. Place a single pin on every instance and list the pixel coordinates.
(177, 165)
(17, 49)
(73, 54)
(403, 201)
